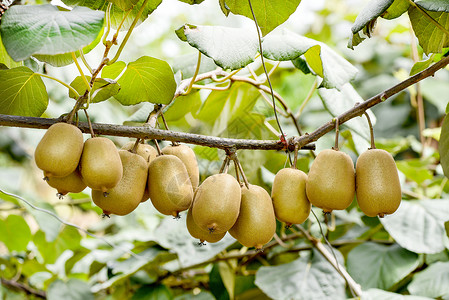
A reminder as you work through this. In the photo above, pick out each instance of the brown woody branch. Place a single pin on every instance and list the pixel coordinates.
(23, 287)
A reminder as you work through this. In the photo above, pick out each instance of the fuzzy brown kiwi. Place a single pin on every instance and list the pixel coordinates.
(127, 194)
(72, 183)
(201, 234)
(217, 203)
(59, 151)
(288, 192)
(331, 181)
(378, 188)
(187, 156)
(256, 223)
(169, 185)
(101, 166)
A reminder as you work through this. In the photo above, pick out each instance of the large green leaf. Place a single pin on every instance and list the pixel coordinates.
(396, 9)
(117, 14)
(384, 265)
(337, 102)
(5, 58)
(332, 67)
(124, 5)
(102, 90)
(376, 294)
(304, 278)
(415, 170)
(147, 79)
(269, 13)
(68, 238)
(43, 29)
(73, 289)
(434, 5)
(15, 233)
(443, 146)
(230, 48)
(432, 282)
(153, 292)
(431, 38)
(418, 226)
(22, 93)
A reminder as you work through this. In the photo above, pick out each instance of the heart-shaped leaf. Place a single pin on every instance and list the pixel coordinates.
(434, 5)
(22, 93)
(43, 29)
(230, 48)
(147, 79)
(102, 90)
(432, 282)
(333, 68)
(418, 226)
(269, 13)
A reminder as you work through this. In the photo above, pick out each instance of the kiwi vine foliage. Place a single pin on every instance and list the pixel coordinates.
(399, 256)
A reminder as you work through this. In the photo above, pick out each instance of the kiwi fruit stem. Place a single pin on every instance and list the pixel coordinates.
(136, 144)
(225, 165)
(159, 152)
(337, 132)
(92, 133)
(371, 130)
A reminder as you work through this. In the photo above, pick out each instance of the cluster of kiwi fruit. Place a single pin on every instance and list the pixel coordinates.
(122, 179)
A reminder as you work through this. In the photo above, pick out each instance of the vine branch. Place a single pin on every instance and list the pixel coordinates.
(20, 286)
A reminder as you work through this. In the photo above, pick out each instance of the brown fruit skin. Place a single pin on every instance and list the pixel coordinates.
(256, 223)
(72, 183)
(331, 181)
(169, 185)
(290, 201)
(101, 167)
(201, 234)
(187, 156)
(217, 203)
(59, 151)
(148, 153)
(377, 183)
(127, 194)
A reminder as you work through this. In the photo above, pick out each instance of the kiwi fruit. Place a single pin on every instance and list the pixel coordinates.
(201, 234)
(217, 203)
(127, 194)
(169, 185)
(256, 223)
(101, 167)
(72, 183)
(59, 151)
(187, 156)
(290, 201)
(148, 153)
(378, 188)
(331, 181)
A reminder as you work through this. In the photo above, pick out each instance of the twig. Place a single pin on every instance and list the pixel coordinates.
(23, 287)
(70, 224)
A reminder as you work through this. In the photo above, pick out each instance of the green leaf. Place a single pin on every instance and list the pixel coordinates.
(306, 277)
(68, 238)
(43, 29)
(216, 284)
(370, 12)
(333, 68)
(22, 93)
(443, 146)
(182, 106)
(415, 170)
(117, 14)
(227, 275)
(375, 294)
(73, 289)
(93, 4)
(15, 233)
(124, 5)
(230, 48)
(421, 65)
(337, 102)
(187, 65)
(153, 292)
(191, 2)
(46, 222)
(5, 59)
(434, 5)
(384, 266)
(431, 38)
(269, 13)
(102, 90)
(224, 7)
(432, 282)
(147, 79)
(418, 226)
(396, 9)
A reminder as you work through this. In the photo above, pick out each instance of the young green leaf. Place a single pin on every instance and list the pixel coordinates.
(22, 93)
(117, 14)
(6, 59)
(45, 30)
(102, 90)
(147, 79)
(230, 48)
(269, 13)
(396, 9)
(15, 233)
